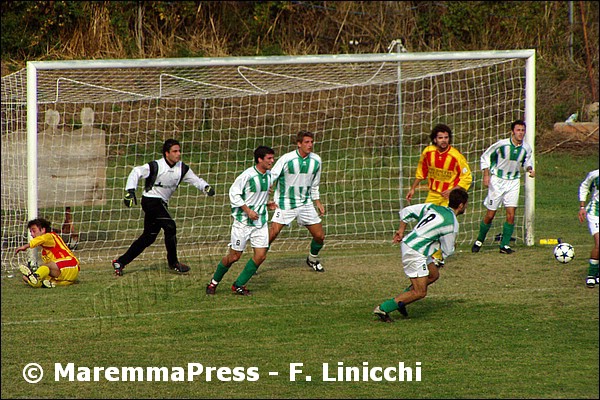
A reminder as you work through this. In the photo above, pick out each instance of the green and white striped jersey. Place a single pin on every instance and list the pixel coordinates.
(590, 186)
(296, 180)
(437, 227)
(251, 188)
(505, 160)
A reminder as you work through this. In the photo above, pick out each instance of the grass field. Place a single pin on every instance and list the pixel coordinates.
(493, 326)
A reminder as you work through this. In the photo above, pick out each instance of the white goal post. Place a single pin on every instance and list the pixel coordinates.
(73, 130)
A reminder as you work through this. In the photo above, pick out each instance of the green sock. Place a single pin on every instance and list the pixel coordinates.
(483, 231)
(407, 289)
(247, 273)
(220, 272)
(593, 268)
(507, 231)
(388, 306)
(315, 247)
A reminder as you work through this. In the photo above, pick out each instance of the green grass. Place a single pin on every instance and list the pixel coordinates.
(493, 326)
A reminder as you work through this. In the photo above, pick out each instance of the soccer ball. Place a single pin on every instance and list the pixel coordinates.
(564, 252)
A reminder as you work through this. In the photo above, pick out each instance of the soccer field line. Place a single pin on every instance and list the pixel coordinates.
(228, 308)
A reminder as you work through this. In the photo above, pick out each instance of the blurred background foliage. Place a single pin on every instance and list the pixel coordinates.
(564, 33)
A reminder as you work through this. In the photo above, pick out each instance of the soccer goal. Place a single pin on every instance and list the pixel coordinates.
(73, 130)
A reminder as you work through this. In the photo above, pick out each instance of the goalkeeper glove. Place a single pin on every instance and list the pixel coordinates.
(209, 190)
(130, 198)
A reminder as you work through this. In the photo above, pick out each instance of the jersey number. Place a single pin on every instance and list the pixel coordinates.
(425, 220)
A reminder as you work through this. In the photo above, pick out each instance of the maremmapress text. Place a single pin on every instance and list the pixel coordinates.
(334, 372)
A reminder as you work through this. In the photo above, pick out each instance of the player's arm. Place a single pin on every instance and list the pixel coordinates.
(22, 248)
(447, 244)
(399, 235)
(236, 196)
(412, 189)
(584, 190)
(466, 178)
(527, 163)
(142, 171)
(199, 183)
(486, 177)
(315, 195)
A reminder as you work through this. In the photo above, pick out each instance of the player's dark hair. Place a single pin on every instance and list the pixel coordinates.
(261, 152)
(517, 122)
(300, 136)
(457, 197)
(40, 223)
(168, 144)
(440, 128)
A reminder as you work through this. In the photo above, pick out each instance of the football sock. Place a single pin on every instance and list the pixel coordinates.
(43, 272)
(247, 273)
(483, 231)
(315, 247)
(388, 306)
(407, 289)
(507, 231)
(593, 268)
(220, 272)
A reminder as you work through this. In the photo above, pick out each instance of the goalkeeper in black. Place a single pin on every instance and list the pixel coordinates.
(162, 176)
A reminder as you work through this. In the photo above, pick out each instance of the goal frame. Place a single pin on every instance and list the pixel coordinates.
(529, 55)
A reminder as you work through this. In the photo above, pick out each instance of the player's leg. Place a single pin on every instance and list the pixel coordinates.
(415, 267)
(308, 216)
(69, 272)
(259, 240)
(239, 237)
(511, 190)
(316, 244)
(274, 230)
(434, 274)
(592, 276)
(484, 228)
(151, 208)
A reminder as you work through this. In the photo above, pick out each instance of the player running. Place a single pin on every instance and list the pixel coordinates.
(436, 229)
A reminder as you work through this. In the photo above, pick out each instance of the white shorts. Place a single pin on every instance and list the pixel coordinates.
(502, 191)
(241, 233)
(304, 215)
(592, 223)
(415, 263)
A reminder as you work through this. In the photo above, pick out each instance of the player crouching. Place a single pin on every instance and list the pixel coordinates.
(60, 267)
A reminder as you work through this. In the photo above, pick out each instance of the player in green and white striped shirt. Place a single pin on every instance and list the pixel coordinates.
(590, 186)
(249, 196)
(297, 176)
(436, 228)
(501, 164)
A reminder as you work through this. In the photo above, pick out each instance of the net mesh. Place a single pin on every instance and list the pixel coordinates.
(371, 119)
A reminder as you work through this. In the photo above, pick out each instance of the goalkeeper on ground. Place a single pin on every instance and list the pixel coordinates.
(163, 176)
(59, 266)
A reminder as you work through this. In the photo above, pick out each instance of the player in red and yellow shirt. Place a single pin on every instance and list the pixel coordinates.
(444, 167)
(59, 266)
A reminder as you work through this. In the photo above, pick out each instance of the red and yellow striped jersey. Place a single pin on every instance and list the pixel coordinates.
(53, 248)
(444, 170)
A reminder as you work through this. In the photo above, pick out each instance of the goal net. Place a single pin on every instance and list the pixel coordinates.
(68, 148)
